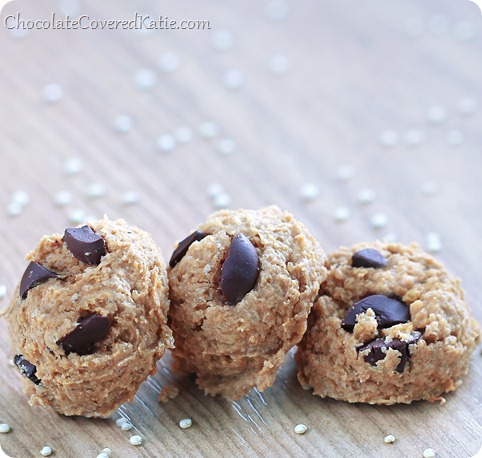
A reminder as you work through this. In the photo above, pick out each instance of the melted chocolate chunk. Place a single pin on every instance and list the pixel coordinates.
(377, 354)
(240, 269)
(85, 244)
(34, 275)
(368, 257)
(90, 330)
(27, 369)
(388, 311)
(184, 245)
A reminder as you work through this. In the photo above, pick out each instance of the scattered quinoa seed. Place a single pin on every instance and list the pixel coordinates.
(129, 197)
(433, 242)
(123, 123)
(309, 192)
(214, 189)
(185, 423)
(21, 197)
(166, 143)
(345, 172)
(429, 453)
(14, 209)
(126, 426)
(52, 93)
(120, 421)
(103, 455)
(390, 439)
(455, 137)
(226, 146)
(169, 62)
(5, 428)
(62, 198)
(3, 291)
(73, 166)
(135, 440)
(183, 134)
(278, 64)
(379, 220)
(221, 200)
(366, 196)
(436, 115)
(107, 451)
(301, 428)
(210, 130)
(341, 214)
(467, 106)
(388, 139)
(233, 79)
(222, 40)
(46, 451)
(145, 79)
(414, 138)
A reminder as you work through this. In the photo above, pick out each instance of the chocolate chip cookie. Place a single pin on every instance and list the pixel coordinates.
(390, 326)
(241, 287)
(88, 320)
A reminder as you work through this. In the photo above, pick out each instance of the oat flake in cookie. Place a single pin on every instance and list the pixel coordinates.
(241, 288)
(88, 320)
(390, 325)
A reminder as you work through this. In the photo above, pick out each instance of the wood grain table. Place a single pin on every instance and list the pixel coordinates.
(305, 105)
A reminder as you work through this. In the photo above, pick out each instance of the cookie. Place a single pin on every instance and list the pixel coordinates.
(241, 287)
(88, 321)
(390, 326)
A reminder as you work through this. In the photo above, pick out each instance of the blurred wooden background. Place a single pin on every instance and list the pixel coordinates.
(307, 105)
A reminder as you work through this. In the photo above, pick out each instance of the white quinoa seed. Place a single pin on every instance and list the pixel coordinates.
(366, 196)
(130, 197)
(379, 220)
(233, 79)
(455, 137)
(126, 426)
(169, 62)
(433, 242)
(46, 451)
(145, 79)
(14, 209)
(166, 143)
(214, 189)
(103, 455)
(21, 197)
(467, 106)
(221, 200)
(414, 138)
(388, 139)
(341, 214)
(429, 453)
(183, 134)
(77, 216)
(121, 421)
(309, 192)
(277, 10)
(226, 146)
(73, 166)
(5, 428)
(345, 172)
(210, 130)
(123, 123)
(390, 237)
(185, 423)
(135, 440)
(222, 40)
(3, 291)
(96, 189)
(278, 64)
(390, 439)
(52, 93)
(301, 428)
(436, 114)
(62, 198)
(107, 451)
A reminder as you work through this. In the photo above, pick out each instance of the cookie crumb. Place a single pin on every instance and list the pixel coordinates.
(390, 439)
(135, 440)
(185, 423)
(5, 428)
(46, 451)
(301, 428)
(168, 393)
(429, 453)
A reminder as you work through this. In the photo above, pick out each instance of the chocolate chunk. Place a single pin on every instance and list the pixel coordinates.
(90, 330)
(184, 245)
(368, 257)
(34, 275)
(85, 244)
(240, 269)
(377, 354)
(388, 311)
(27, 369)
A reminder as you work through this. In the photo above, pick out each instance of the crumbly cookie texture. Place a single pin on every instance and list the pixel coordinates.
(87, 336)
(234, 342)
(383, 357)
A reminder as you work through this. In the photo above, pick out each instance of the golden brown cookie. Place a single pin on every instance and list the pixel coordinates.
(390, 326)
(241, 288)
(88, 320)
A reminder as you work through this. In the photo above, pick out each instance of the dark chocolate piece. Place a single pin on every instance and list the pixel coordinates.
(368, 257)
(90, 330)
(240, 269)
(34, 275)
(27, 369)
(377, 354)
(388, 311)
(184, 245)
(85, 244)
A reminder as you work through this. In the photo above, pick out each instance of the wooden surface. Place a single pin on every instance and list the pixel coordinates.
(356, 70)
